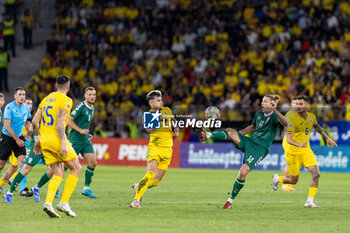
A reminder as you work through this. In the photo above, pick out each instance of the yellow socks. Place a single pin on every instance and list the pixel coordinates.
(2, 183)
(143, 184)
(153, 183)
(53, 186)
(280, 179)
(14, 175)
(312, 193)
(69, 187)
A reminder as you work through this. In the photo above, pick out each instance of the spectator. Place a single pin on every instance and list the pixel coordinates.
(27, 22)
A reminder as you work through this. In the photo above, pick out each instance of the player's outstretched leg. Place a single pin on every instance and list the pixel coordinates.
(287, 187)
(90, 159)
(17, 180)
(238, 185)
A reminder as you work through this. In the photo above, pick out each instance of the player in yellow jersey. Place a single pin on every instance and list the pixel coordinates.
(53, 113)
(289, 115)
(299, 151)
(159, 147)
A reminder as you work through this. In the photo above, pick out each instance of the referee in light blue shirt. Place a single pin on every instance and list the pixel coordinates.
(16, 115)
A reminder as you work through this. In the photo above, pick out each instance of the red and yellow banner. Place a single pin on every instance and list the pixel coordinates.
(127, 152)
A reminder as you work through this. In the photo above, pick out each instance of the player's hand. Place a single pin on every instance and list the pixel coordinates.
(273, 105)
(303, 144)
(84, 131)
(64, 149)
(37, 148)
(20, 142)
(331, 142)
(176, 132)
(27, 137)
(91, 136)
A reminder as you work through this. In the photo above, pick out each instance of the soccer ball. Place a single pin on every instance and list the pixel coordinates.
(212, 112)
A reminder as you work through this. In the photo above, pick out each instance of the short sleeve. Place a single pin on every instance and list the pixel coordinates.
(67, 105)
(8, 113)
(254, 120)
(76, 112)
(291, 126)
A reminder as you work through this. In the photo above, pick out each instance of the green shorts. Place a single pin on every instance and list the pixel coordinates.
(253, 151)
(83, 147)
(32, 159)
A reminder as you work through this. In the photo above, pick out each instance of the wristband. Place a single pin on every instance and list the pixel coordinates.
(37, 138)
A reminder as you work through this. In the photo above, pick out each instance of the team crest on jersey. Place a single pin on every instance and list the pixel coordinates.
(310, 120)
(68, 106)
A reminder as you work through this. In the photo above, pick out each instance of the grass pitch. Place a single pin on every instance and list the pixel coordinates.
(187, 200)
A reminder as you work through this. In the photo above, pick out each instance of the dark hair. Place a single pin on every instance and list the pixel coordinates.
(2, 95)
(61, 80)
(153, 94)
(295, 98)
(89, 89)
(19, 89)
(28, 98)
(305, 98)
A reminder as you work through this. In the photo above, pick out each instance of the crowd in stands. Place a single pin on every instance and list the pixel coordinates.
(201, 52)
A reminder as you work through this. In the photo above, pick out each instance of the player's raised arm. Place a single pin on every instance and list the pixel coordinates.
(61, 117)
(329, 140)
(248, 130)
(280, 117)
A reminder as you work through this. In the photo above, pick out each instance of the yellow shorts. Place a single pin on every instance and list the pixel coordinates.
(161, 154)
(13, 160)
(296, 160)
(51, 153)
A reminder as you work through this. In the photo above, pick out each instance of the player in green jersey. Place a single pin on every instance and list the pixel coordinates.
(255, 148)
(80, 120)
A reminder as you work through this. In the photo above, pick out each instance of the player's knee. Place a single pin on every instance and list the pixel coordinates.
(93, 163)
(316, 175)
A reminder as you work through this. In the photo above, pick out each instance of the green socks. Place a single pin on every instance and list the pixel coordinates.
(237, 187)
(16, 182)
(219, 135)
(43, 180)
(89, 173)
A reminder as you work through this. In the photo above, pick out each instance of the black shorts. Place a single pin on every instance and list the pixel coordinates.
(8, 144)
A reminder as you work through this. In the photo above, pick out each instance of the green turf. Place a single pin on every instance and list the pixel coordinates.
(186, 201)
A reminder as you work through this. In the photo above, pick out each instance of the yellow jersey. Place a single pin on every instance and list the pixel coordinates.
(289, 116)
(301, 128)
(164, 135)
(50, 106)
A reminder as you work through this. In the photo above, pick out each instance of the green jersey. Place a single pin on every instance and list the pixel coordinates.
(265, 128)
(82, 115)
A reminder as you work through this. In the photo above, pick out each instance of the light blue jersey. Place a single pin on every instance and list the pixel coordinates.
(18, 116)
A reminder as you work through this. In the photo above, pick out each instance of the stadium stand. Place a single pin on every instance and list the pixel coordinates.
(199, 53)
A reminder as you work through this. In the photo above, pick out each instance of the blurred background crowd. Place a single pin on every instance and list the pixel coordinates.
(199, 53)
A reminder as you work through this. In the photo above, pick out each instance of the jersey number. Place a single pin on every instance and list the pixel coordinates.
(48, 115)
(306, 131)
